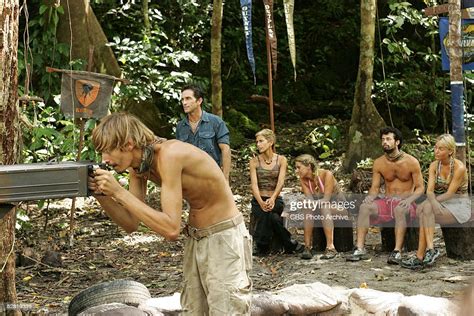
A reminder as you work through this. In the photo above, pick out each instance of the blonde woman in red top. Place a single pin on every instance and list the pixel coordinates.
(319, 184)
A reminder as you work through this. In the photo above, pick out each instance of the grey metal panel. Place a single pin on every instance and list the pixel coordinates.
(37, 181)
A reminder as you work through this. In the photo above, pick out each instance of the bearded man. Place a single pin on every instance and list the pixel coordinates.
(401, 173)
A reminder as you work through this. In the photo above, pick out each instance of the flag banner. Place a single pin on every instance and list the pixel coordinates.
(467, 43)
(85, 94)
(467, 4)
(271, 34)
(289, 8)
(246, 6)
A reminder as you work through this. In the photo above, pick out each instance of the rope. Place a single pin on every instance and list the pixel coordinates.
(26, 48)
(445, 120)
(70, 75)
(383, 66)
(9, 254)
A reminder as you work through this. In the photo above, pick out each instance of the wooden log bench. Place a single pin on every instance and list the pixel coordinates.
(343, 237)
(459, 240)
(388, 238)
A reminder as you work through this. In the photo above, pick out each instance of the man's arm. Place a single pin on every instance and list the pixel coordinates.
(222, 139)
(376, 180)
(114, 210)
(226, 160)
(166, 223)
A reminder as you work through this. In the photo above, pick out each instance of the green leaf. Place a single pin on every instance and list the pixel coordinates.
(325, 155)
(43, 8)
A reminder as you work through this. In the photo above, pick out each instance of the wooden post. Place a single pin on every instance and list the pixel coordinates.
(456, 78)
(270, 80)
(81, 123)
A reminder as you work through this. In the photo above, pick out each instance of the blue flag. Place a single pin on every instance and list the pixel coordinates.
(467, 43)
(247, 19)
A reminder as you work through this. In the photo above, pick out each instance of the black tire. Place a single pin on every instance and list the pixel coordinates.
(117, 291)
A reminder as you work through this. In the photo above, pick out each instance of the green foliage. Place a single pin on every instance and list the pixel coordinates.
(22, 220)
(241, 121)
(415, 92)
(150, 66)
(237, 139)
(366, 163)
(41, 49)
(54, 137)
(422, 149)
(401, 14)
(322, 140)
(154, 59)
(246, 153)
(413, 82)
(50, 135)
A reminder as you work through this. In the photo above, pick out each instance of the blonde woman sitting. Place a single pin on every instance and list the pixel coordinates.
(267, 175)
(318, 183)
(447, 200)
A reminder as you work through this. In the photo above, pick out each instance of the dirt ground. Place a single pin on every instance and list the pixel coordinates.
(102, 252)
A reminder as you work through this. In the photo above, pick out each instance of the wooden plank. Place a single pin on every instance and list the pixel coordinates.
(436, 10)
(466, 13)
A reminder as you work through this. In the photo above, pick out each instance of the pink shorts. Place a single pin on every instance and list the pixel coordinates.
(386, 207)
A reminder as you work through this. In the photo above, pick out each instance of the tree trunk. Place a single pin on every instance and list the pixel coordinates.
(365, 121)
(86, 32)
(216, 35)
(146, 17)
(9, 143)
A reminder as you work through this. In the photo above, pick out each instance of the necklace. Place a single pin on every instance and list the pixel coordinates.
(147, 157)
(268, 162)
(397, 157)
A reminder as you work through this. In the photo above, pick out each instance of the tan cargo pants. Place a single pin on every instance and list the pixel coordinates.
(215, 270)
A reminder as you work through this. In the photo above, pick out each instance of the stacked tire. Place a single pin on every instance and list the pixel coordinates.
(120, 294)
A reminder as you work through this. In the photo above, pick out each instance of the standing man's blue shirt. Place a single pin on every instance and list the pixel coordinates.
(210, 132)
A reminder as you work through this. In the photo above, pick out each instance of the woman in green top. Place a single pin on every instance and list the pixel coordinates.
(267, 176)
(447, 200)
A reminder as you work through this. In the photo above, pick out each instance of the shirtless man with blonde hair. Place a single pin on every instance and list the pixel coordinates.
(401, 173)
(217, 253)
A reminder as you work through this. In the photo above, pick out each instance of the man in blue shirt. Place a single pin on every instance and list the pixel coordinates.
(204, 130)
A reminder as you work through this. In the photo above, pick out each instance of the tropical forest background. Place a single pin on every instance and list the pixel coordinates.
(160, 45)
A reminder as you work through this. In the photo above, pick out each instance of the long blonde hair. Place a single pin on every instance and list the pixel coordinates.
(116, 129)
(308, 160)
